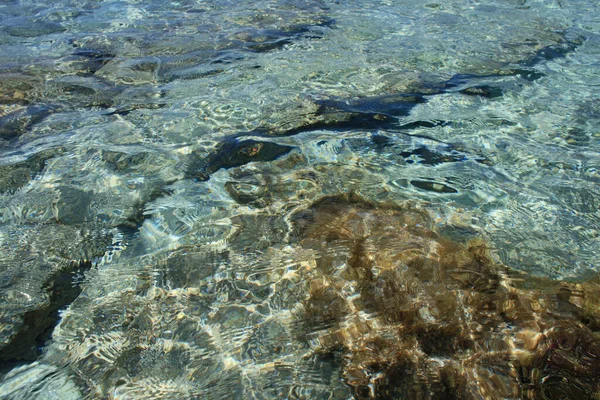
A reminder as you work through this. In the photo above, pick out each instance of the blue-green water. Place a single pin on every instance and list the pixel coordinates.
(159, 161)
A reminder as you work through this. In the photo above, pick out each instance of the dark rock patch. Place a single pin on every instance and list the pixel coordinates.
(142, 97)
(17, 88)
(432, 186)
(384, 112)
(14, 122)
(205, 63)
(189, 269)
(23, 27)
(88, 61)
(336, 114)
(72, 206)
(195, 62)
(134, 221)
(577, 136)
(15, 176)
(122, 161)
(372, 113)
(262, 41)
(364, 113)
(63, 288)
(487, 91)
(427, 156)
(81, 91)
(412, 149)
(555, 51)
(393, 105)
(244, 192)
(127, 109)
(38, 277)
(527, 74)
(234, 153)
(208, 62)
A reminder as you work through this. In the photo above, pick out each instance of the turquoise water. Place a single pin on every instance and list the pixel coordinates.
(161, 164)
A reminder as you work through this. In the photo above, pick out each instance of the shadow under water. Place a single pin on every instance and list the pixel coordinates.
(412, 314)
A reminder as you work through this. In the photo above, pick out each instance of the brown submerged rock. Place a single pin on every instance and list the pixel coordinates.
(414, 315)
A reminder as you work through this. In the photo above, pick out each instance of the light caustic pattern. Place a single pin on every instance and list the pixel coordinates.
(301, 199)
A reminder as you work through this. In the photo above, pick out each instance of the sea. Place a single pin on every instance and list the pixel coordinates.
(299, 199)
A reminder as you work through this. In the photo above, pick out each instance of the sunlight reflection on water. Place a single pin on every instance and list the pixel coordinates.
(187, 155)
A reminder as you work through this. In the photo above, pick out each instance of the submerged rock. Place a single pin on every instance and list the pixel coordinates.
(38, 266)
(86, 60)
(72, 205)
(82, 91)
(433, 186)
(417, 315)
(243, 34)
(15, 176)
(23, 27)
(16, 120)
(38, 322)
(234, 153)
(16, 88)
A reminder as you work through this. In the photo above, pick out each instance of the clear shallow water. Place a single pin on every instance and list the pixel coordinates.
(178, 146)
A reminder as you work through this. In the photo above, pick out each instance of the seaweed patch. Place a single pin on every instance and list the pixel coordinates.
(412, 314)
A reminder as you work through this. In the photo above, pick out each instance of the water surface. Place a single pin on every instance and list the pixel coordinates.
(166, 178)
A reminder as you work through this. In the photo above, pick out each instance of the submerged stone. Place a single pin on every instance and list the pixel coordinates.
(486, 91)
(15, 176)
(385, 111)
(123, 161)
(23, 27)
(262, 41)
(427, 156)
(82, 91)
(17, 120)
(86, 60)
(433, 186)
(38, 270)
(234, 153)
(131, 71)
(552, 52)
(417, 315)
(16, 88)
(180, 58)
(38, 323)
(72, 207)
